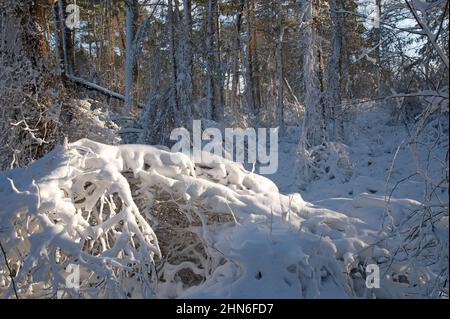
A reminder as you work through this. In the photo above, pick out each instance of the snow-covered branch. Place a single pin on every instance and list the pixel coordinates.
(426, 30)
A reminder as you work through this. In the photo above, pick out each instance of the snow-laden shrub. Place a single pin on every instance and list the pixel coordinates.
(143, 222)
(329, 160)
(420, 239)
(420, 245)
(157, 120)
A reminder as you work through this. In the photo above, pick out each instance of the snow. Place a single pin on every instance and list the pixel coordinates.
(141, 221)
(372, 193)
(59, 193)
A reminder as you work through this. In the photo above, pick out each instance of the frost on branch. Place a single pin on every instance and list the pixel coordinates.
(143, 222)
(328, 160)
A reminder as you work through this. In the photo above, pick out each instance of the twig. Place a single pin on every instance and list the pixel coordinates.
(9, 270)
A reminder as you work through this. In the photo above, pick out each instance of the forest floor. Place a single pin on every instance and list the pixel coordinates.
(380, 158)
(382, 187)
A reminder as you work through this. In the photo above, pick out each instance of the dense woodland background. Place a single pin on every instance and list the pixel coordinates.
(241, 63)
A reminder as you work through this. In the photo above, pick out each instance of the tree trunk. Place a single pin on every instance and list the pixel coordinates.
(378, 49)
(312, 132)
(333, 99)
(253, 55)
(235, 103)
(209, 39)
(185, 80)
(250, 94)
(130, 54)
(67, 38)
(280, 65)
(218, 74)
(174, 63)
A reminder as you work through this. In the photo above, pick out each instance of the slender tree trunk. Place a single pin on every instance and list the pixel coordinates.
(70, 40)
(378, 49)
(185, 82)
(218, 74)
(173, 59)
(209, 39)
(333, 98)
(345, 75)
(280, 65)
(228, 79)
(312, 131)
(253, 55)
(236, 53)
(57, 37)
(156, 68)
(65, 35)
(38, 11)
(324, 111)
(111, 47)
(129, 55)
(250, 94)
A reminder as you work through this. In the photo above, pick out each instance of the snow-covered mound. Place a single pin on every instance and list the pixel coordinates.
(140, 221)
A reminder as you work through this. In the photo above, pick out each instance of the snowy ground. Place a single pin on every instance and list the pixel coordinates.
(382, 180)
(380, 157)
(143, 222)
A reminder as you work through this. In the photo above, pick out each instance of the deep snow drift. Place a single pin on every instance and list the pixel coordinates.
(397, 184)
(143, 222)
